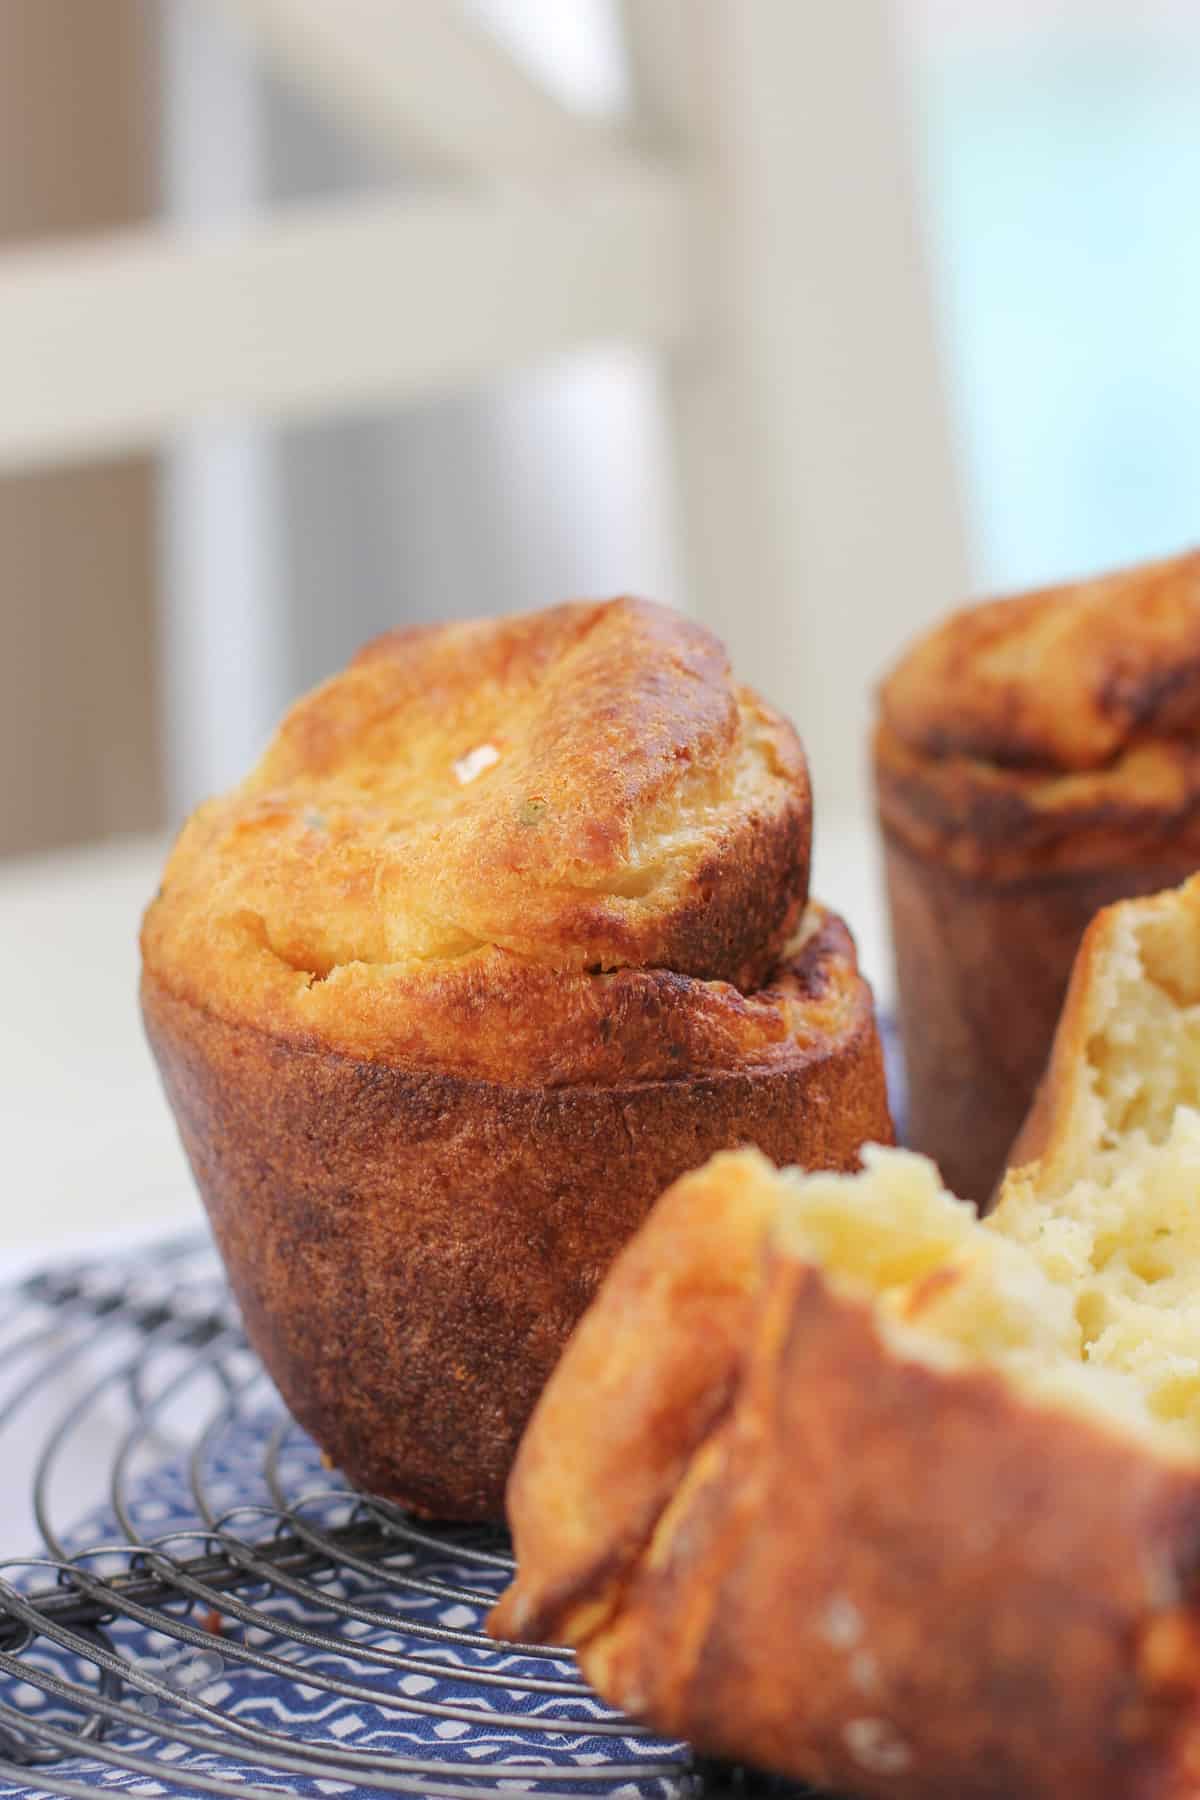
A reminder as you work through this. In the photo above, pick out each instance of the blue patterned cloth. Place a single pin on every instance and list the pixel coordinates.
(502, 1724)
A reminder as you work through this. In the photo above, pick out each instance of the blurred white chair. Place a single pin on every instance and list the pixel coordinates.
(753, 221)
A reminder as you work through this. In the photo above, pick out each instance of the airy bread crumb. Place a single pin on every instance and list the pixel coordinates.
(1084, 1283)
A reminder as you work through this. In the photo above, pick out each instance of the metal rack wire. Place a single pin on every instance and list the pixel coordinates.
(213, 1612)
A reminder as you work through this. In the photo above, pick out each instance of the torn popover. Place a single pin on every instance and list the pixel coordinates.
(1036, 758)
(837, 1479)
(509, 928)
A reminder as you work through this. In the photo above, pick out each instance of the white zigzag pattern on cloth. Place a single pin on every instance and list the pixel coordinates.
(394, 1713)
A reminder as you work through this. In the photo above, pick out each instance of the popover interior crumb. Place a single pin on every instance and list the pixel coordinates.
(1084, 1289)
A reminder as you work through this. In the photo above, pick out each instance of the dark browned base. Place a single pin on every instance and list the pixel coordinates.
(411, 1251)
(982, 970)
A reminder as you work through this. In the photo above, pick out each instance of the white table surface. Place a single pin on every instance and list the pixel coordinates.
(91, 1154)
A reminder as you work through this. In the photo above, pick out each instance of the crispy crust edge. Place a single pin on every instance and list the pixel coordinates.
(1055, 1134)
(1000, 1597)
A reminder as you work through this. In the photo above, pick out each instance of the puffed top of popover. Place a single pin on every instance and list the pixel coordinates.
(460, 851)
(1061, 726)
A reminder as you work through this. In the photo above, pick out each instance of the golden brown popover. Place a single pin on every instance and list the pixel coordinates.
(507, 930)
(836, 1479)
(1036, 759)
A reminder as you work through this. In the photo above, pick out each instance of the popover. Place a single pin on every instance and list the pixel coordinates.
(508, 929)
(837, 1479)
(1036, 758)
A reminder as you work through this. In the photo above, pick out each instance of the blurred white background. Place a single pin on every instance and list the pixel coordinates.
(1060, 159)
(945, 285)
(1055, 157)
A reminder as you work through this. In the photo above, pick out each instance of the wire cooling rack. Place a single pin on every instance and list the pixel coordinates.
(211, 1611)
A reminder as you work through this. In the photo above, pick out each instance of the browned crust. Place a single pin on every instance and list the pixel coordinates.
(546, 1027)
(876, 1574)
(1051, 1122)
(364, 887)
(583, 1503)
(982, 970)
(1058, 1130)
(1065, 678)
(941, 1659)
(411, 1250)
(1002, 824)
(495, 1014)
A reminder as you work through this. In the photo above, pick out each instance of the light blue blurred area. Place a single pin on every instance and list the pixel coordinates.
(1064, 188)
